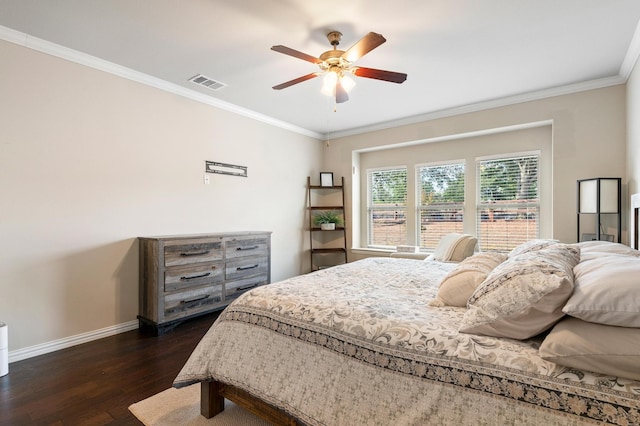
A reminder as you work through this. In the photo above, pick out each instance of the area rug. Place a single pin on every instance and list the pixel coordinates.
(182, 407)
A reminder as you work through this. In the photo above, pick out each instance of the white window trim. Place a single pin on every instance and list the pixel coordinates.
(370, 202)
(418, 192)
(507, 156)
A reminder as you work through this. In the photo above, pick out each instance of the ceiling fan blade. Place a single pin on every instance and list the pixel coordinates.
(364, 46)
(341, 94)
(394, 77)
(296, 54)
(296, 81)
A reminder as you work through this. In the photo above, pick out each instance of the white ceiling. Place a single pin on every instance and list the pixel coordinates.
(458, 54)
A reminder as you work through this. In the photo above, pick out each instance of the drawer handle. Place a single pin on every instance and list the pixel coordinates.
(195, 253)
(193, 277)
(247, 248)
(247, 287)
(195, 299)
(244, 268)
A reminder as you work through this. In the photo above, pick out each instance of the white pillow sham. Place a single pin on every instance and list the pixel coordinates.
(524, 295)
(605, 349)
(454, 247)
(607, 290)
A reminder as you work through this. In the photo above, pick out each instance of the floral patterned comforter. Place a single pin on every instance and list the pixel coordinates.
(358, 344)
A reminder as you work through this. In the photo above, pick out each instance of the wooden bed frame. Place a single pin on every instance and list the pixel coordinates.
(212, 395)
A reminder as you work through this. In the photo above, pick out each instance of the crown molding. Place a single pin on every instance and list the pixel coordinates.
(631, 58)
(481, 106)
(12, 36)
(71, 55)
(25, 40)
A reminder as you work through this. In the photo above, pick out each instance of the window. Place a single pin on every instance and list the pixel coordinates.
(508, 210)
(496, 185)
(387, 207)
(440, 202)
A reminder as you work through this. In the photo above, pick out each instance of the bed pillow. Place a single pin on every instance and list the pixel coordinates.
(531, 245)
(466, 247)
(600, 348)
(597, 247)
(524, 295)
(454, 247)
(459, 284)
(607, 290)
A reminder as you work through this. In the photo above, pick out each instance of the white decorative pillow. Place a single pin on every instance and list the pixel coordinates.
(459, 284)
(607, 290)
(524, 295)
(466, 247)
(595, 248)
(454, 247)
(531, 245)
(605, 349)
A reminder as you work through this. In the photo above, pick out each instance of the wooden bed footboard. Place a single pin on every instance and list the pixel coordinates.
(212, 395)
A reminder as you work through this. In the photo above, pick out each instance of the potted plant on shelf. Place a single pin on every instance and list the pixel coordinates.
(327, 219)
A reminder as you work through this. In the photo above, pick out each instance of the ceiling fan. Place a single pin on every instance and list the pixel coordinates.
(337, 64)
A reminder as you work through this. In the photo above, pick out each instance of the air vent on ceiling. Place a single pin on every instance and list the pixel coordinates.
(207, 82)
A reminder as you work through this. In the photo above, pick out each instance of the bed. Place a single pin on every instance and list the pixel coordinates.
(382, 341)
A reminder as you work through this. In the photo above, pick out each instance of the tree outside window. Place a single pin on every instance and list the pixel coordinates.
(508, 210)
(441, 198)
(387, 207)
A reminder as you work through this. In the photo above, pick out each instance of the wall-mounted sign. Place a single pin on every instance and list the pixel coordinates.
(225, 169)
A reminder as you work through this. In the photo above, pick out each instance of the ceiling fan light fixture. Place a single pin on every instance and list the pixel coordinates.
(331, 79)
(348, 82)
(329, 83)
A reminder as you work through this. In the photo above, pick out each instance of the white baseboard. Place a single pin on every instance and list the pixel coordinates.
(67, 342)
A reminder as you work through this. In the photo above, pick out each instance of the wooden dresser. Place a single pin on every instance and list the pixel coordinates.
(183, 276)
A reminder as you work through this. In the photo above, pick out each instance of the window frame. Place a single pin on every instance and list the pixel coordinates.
(419, 207)
(527, 205)
(497, 142)
(370, 207)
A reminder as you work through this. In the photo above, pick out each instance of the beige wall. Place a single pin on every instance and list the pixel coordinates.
(588, 132)
(89, 161)
(633, 135)
(633, 131)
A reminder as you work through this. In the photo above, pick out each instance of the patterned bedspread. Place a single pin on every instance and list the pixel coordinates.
(358, 344)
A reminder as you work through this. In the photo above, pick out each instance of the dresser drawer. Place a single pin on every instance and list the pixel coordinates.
(190, 302)
(234, 289)
(179, 277)
(183, 276)
(250, 266)
(194, 252)
(253, 246)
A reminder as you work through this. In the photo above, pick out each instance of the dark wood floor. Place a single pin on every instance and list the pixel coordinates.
(94, 383)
